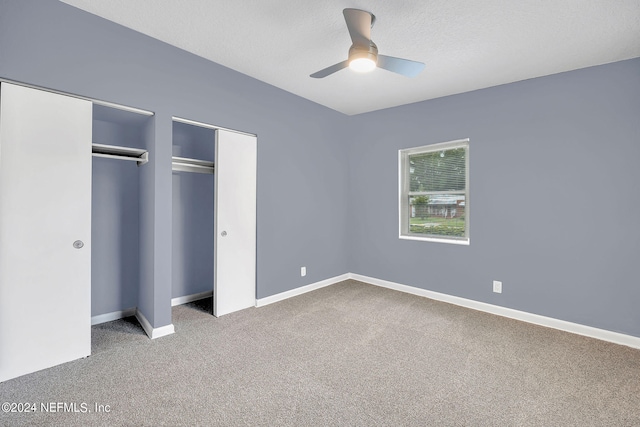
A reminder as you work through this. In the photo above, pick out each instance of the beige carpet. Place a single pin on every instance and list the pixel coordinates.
(350, 354)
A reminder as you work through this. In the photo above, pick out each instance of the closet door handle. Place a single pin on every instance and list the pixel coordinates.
(224, 233)
(78, 244)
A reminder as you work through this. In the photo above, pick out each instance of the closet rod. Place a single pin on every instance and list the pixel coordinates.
(120, 153)
(184, 164)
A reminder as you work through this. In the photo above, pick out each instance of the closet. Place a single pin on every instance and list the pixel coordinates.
(49, 253)
(119, 154)
(76, 186)
(192, 212)
(214, 221)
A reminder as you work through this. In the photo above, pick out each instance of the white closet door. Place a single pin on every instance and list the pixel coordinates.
(45, 206)
(235, 222)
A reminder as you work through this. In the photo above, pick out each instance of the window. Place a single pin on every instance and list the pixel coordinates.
(434, 192)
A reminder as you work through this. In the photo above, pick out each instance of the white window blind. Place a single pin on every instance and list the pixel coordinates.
(434, 192)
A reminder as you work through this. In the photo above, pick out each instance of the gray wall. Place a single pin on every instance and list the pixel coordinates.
(193, 194)
(154, 289)
(302, 169)
(553, 196)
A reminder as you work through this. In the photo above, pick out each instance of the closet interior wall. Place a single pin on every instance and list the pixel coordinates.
(193, 212)
(115, 261)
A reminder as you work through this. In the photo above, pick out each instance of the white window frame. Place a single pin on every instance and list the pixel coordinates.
(403, 192)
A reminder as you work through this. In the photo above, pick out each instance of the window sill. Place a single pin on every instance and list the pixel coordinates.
(464, 242)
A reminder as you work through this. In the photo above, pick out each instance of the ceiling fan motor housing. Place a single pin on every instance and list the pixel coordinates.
(366, 52)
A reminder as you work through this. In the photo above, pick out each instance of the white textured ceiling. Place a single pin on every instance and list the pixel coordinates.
(465, 44)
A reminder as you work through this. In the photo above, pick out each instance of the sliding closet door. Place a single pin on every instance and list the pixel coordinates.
(45, 230)
(235, 222)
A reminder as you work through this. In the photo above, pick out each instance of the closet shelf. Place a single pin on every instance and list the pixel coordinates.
(184, 164)
(138, 155)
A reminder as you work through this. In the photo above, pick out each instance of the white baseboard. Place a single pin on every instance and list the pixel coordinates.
(152, 332)
(114, 315)
(299, 291)
(121, 314)
(190, 298)
(575, 328)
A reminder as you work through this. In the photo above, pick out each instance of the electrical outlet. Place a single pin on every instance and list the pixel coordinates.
(303, 271)
(497, 287)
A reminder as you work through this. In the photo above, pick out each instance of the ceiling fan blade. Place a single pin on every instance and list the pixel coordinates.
(359, 23)
(401, 66)
(330, 70)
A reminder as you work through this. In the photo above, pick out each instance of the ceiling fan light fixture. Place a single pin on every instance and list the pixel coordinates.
(363, 59)
(362, 65)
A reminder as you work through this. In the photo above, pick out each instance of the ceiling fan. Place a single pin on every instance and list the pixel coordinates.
(363, 53)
